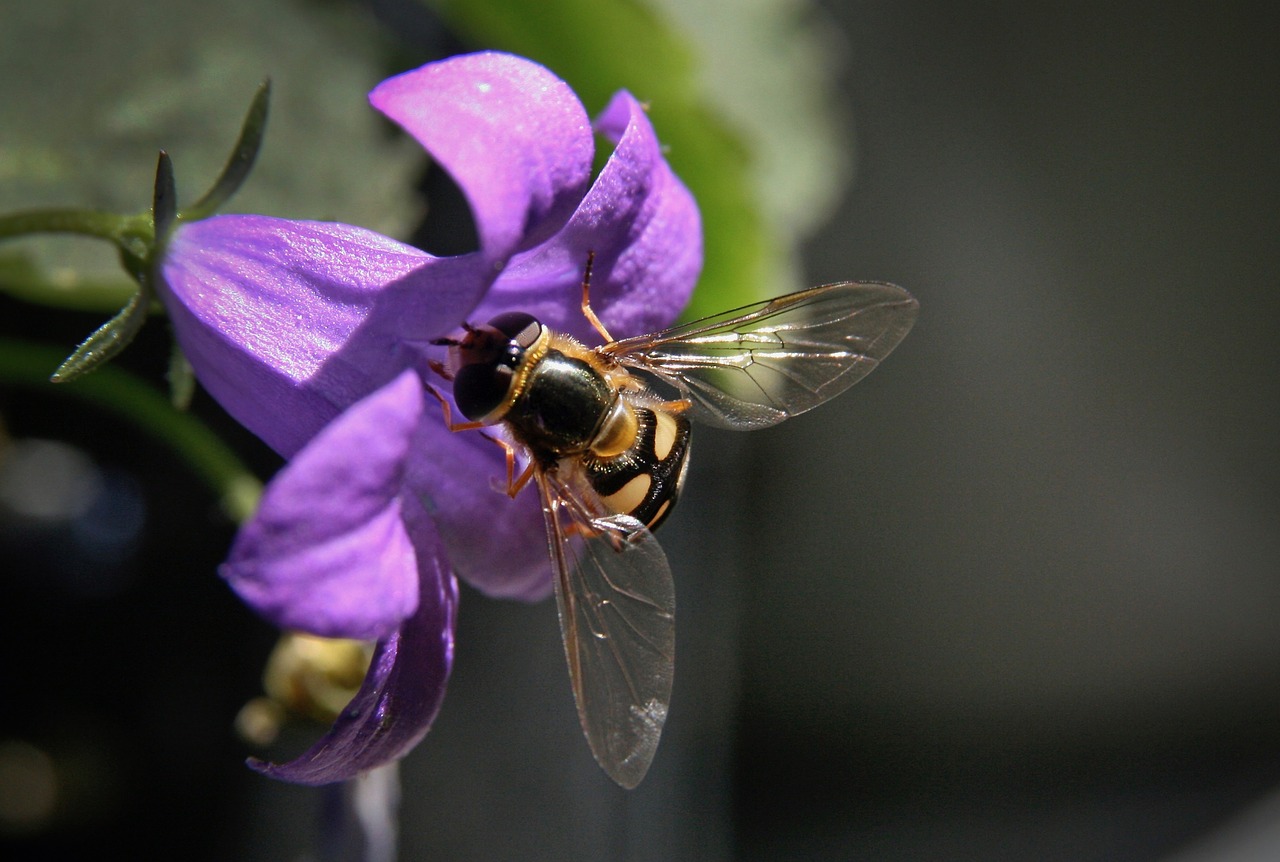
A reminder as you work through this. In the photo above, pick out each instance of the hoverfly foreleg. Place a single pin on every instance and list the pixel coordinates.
(587, 311)
(514, 487)
(448, 412)
(439, 368)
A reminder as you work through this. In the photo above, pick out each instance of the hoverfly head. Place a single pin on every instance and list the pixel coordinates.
(485, 360)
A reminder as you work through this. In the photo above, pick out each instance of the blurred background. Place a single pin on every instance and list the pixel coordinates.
(1013, 597)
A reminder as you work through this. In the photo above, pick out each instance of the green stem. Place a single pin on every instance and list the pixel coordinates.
(27, 364)
(103, 225)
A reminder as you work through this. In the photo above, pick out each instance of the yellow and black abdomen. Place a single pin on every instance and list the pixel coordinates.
(644, 480)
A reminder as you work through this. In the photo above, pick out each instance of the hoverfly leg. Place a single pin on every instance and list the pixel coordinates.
(449, 340)
(588, 526)
(678, 406)
(515, 484)
(617, 542)
(448, 412)
(439, 368)
(587, 311)
(577, 528)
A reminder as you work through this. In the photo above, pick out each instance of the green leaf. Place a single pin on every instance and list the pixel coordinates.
(23, 277)
(120, 393)
(769, 66)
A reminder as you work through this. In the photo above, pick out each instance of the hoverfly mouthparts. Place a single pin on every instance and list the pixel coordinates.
(609, 455)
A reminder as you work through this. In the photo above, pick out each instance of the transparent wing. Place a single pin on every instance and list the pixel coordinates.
(617, 616)
(757, 365)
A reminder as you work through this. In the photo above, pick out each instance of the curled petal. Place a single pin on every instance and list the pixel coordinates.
(512, 135)
(495, 543)
(327, 551)
(644, 228)
(402, 692)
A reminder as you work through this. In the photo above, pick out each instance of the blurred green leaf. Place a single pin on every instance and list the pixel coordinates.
(100, 96)
(769, 66)
(23, 277)
(26, 364)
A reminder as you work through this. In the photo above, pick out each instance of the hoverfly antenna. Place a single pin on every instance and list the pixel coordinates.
(450, 341)
(587, 311)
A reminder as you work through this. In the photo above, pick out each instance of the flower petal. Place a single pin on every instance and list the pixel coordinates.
(403, 690)
(327, 551)
(512, 135)
(495, 543)
(644, 228)
(287, 322)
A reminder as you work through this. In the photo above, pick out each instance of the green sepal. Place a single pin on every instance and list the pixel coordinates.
(239, 163)
(164, 204)
(138, 252)
(107, 341)
(182, 379)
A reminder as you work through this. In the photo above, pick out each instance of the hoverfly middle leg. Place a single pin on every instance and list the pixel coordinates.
(677, 406)
(514, 483)
(587, 311)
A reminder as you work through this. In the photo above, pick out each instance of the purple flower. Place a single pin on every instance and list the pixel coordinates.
(317, 337)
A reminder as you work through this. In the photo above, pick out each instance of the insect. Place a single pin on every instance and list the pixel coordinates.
(605, 432)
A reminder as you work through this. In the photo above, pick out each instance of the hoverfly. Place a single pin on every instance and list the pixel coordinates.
(608, 450)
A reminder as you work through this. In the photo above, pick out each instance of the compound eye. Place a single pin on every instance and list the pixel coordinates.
(480, 389)
(522, 329)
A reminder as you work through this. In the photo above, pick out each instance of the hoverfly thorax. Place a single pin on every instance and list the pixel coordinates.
(574, 410)
(554, 394)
